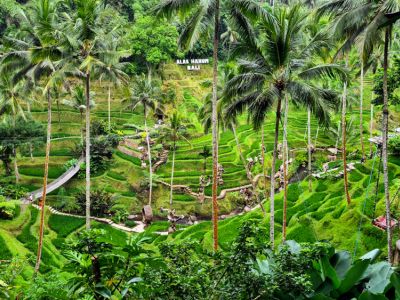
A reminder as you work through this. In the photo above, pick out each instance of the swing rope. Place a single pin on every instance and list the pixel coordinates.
(364, 206)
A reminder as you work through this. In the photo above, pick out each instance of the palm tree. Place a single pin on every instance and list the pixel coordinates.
(35, 53)
(281, 64)
(176, 131)
(111, 69)
(225, 121)
(78, 102)
(12, 102)
(201, 15)
(344, 154)
(206, 153)
(309, 146)
(145, 94)
(370, 23)
(285, 158)
(87, 42)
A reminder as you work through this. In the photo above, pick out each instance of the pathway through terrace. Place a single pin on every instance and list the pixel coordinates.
(60, 181)
(221, 196)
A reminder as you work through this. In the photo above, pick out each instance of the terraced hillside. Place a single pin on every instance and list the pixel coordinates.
(318, 215)
(124, 176)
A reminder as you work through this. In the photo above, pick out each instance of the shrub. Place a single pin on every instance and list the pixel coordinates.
(12, 191)
(69, 164)
(101, 202)
(394, 145)
(120, 215)
(8, 210)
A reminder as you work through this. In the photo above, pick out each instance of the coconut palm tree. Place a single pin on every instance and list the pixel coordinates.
(35, 53)
(205, 153)
(145, 94)
(225, 121)
(12, 102)
(278, 64)
(370, 23)
(89, 31)
(112, 68)
(78, 102)
(176, 131)
(200, 16)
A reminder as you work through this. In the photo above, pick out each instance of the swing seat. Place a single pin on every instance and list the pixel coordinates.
(380, 223)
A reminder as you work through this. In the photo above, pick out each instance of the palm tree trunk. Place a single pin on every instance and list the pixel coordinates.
(172, 175)
(46, 172)
(31, 151)
(246, 167)
(309, 149)
(16, 171)
(88, 151)
(344, 110)
(30, 144)
(109, 108)
(263, 150)
(361, 109)
(371, 126)
(215, 127)
(149, 157)
(285, 168)
(58, 110)
(274, 156)
(385, 128)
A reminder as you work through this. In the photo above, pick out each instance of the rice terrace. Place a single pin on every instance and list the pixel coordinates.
(187, 149)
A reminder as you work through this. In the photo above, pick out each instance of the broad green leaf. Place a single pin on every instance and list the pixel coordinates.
(341, 261)
(369, 296)
(328, 271)
(354, 275)
(395, 280)
(379, 275)
(372, 255)
(293, 246)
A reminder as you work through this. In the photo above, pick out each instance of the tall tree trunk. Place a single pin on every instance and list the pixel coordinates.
(385, 128)
(109, 108)
(285, 157)
(88, 151)
(82, 129)
(246, 167)
(263, 150)
(31, 151)
(149, 157)
(58, 110)
(309, 149)
(242, 158)
(344, 110)
(46, 173)
(215, 127)
(172, 175)
(371, 126)
(16, 171)
(274, 156)
(361, 109)
(149, 72)
(30, 144)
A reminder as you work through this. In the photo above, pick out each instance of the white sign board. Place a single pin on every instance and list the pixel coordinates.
(193, 64)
